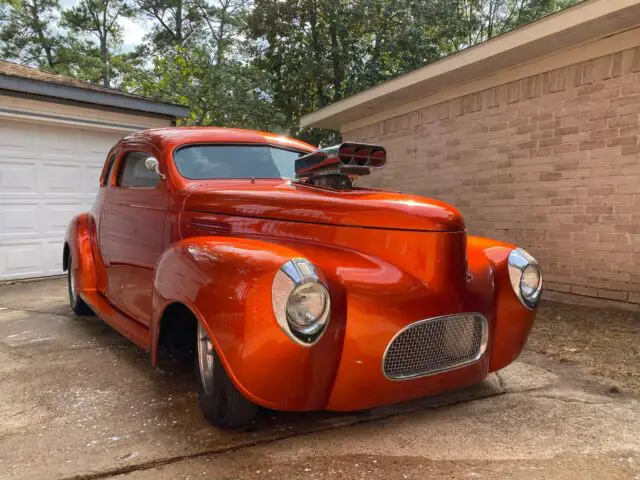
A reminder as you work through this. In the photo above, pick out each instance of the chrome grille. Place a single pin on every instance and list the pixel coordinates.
(435, 345)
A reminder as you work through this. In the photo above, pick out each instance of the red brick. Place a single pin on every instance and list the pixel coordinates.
(624, 121)
(612, 294)
(566, 148)
(592, 144)
(630, 140)
(546, 177)
(587, 291)
(566, 130)
(629, 149)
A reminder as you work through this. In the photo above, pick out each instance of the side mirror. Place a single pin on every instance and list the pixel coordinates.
(152, 164)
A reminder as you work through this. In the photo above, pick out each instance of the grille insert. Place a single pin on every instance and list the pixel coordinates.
(435, 345)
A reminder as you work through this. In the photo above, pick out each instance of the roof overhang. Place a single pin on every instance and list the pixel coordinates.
(587, 21)
(90, 97)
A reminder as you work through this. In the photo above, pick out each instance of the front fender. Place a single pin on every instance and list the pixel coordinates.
(513, 321)
(227, 282)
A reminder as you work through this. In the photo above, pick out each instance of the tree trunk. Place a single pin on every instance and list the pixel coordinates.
(335, 59)
(44, 42)
(104, 51)
(178, 36)
(317, 56)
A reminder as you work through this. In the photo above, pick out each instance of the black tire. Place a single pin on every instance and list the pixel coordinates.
(77, 304)
(221, 402)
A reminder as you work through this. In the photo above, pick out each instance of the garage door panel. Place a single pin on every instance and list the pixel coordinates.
(91, 176)
(19, 220)
(55, 218)
(21, 260)
(22, 177)
(17, 177)
(48, 174)
(52, 256)
(61, 178)
(37, 258)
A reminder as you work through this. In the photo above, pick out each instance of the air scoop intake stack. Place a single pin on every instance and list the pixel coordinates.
(335, 167)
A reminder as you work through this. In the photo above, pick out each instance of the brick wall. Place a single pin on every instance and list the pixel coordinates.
(550, 162)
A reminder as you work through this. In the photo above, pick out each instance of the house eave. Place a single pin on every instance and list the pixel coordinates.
(91, 97)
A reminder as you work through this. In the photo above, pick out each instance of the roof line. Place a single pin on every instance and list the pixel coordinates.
(67, 92)
(554, 32)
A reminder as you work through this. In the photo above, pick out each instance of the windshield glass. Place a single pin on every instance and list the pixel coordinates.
(202, 162)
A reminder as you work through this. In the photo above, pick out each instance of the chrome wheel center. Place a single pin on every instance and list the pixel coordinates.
(205, 359)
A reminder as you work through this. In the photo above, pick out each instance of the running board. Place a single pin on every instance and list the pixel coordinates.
(127, 326)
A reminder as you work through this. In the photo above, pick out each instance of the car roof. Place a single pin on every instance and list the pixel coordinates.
(175, 136)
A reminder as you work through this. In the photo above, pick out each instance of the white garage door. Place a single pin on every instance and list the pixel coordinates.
(47, 175)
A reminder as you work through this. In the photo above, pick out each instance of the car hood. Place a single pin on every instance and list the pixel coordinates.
(294, 202)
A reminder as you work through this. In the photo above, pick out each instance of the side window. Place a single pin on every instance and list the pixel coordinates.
(107, 175)
(134, 173)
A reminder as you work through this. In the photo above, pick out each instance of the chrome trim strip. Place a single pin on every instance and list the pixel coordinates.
(483, 346)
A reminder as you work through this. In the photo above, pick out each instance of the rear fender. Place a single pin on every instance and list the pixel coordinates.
(79, 241)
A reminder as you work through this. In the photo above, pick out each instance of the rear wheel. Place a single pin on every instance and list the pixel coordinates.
(77, 304)
(221, 402)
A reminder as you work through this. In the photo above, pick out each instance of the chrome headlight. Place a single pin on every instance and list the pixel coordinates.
(301, 302)
(526, 277)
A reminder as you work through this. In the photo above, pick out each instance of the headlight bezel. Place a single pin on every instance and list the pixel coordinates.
(519, 260)
(293, 275)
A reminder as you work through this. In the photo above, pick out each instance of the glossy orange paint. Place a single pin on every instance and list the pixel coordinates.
(388, 260)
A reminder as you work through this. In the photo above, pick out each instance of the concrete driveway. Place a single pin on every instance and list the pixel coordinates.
(79, 401)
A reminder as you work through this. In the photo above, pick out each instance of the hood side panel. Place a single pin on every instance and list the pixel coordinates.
(438, 259)
(293, 202)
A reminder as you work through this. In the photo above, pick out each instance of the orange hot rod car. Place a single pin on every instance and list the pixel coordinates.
(297, 289)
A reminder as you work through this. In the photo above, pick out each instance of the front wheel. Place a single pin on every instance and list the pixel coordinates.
(221, 402)
(77, 304)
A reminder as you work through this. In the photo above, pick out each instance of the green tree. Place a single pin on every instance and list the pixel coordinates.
(97, 20)
(27, 34)
(231, 94)
(484, 19)
(319, 51)
(174, 22)
(205, 66)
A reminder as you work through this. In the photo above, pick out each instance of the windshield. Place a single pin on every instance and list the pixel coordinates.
(202, 162)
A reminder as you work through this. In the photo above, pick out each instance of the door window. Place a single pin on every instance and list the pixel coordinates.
(134, 173)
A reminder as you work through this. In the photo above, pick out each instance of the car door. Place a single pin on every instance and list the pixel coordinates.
(132, 233)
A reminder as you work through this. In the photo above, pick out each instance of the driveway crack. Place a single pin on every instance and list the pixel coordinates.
(361, 418)
(572, 400)
(41, 312)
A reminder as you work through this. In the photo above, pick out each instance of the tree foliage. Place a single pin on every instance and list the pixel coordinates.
(253, 63)
(27, 34)
(96, 23)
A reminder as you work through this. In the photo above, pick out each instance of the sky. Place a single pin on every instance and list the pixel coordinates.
(133, 31)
